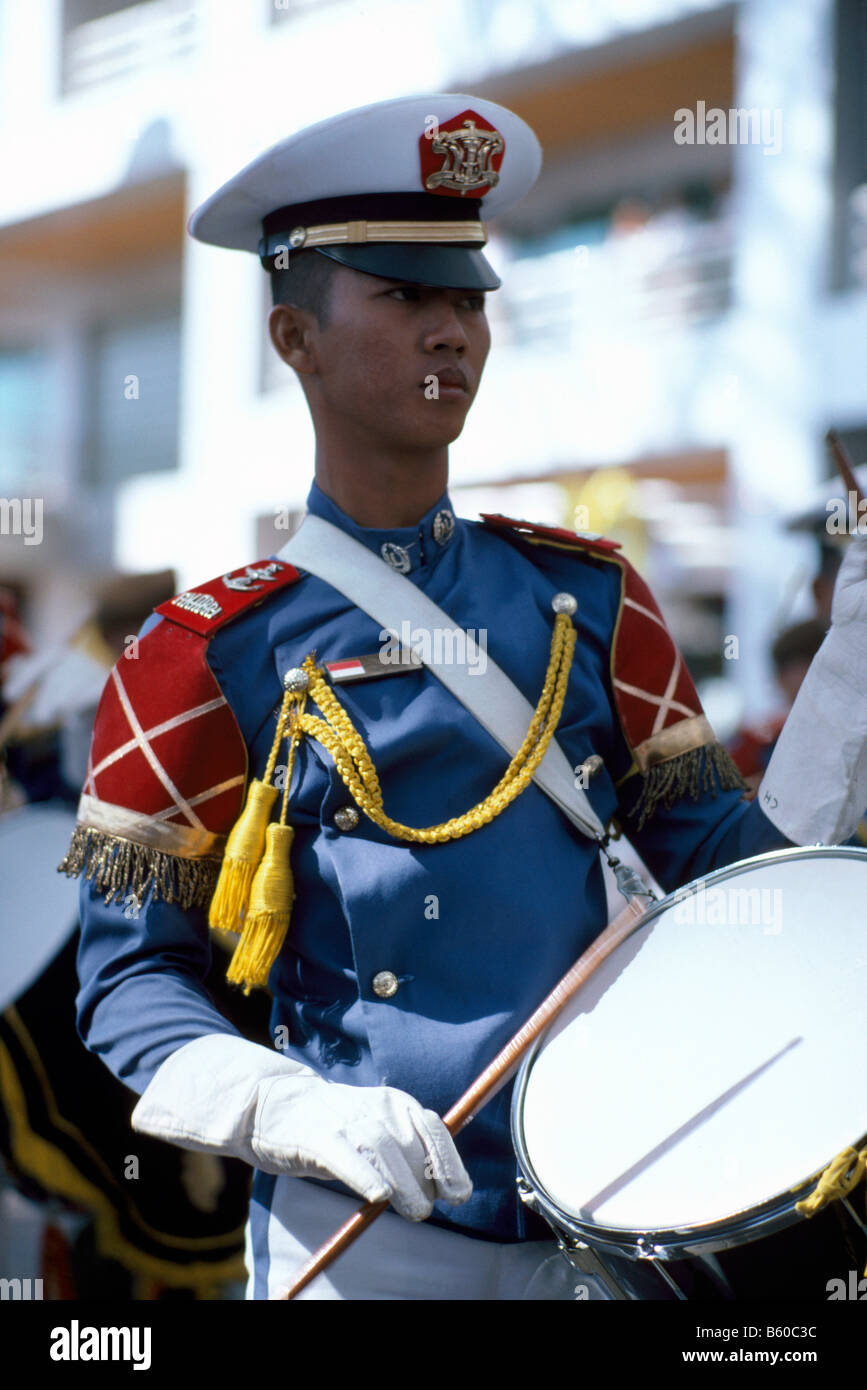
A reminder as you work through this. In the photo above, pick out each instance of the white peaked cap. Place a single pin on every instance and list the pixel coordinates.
(417, 173)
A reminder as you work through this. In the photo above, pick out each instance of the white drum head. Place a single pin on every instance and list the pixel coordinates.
(711, 1064)
(39, 906)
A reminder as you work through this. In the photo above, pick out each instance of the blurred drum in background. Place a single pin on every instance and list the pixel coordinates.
(672, 1122)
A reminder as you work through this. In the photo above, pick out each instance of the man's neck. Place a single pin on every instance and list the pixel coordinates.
(383, 489)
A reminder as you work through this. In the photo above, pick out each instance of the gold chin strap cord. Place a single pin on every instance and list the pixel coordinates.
(255, 892)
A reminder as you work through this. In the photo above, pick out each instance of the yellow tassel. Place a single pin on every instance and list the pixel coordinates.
(840, 1177)
(243, 853)
(267, 918)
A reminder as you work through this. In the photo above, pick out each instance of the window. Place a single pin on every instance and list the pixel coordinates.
(132, 424)
(107, 40)
(24, 411)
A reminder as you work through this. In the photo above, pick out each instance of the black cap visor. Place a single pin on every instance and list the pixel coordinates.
(442, 267)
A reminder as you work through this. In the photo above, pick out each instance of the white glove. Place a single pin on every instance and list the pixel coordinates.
(815, 786)
(225, 1095)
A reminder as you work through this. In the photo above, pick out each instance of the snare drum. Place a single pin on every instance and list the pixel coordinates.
(694, 1090)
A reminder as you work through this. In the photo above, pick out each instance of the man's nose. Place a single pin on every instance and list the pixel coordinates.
(445, 329)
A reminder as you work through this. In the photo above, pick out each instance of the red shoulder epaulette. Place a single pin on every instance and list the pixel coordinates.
(210, 606)
(551, 535)
(168, 763)
(657, 703)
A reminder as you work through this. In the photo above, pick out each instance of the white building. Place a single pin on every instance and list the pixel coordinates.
(694, 313)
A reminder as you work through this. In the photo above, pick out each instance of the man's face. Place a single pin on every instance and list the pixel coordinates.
(400, 363)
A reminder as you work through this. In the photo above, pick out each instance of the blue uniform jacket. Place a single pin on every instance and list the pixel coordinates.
(477, 930)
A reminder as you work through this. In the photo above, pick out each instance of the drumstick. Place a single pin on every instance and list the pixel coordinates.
(490, 1081)
(844, 464)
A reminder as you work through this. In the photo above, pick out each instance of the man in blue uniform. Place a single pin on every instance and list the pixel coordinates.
(436, 902)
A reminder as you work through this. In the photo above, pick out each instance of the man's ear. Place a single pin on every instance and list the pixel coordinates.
(291, 331)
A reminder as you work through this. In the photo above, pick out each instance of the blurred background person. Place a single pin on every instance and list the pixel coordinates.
(792, 651)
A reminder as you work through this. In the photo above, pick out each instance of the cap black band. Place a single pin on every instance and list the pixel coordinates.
(373, 207)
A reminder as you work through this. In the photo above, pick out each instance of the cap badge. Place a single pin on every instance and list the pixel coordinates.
(471, 154)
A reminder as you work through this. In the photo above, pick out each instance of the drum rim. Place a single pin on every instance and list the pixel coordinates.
(737, 1227)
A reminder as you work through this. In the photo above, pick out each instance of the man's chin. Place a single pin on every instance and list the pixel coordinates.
(424, 428)
(435, 430)
(438, 439)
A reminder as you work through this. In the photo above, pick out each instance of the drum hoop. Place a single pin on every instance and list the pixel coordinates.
(673, 1242)
(737, 1228)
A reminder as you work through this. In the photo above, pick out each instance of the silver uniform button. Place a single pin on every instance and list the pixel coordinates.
(564, 603)
(592, 765)
(443, 526)
(346, 818)
(385, 984)
(296, 680)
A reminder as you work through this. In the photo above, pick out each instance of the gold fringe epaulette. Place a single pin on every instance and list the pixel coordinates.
(708, 768)
(121, 868)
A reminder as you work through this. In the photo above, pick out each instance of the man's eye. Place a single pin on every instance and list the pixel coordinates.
(412, 293)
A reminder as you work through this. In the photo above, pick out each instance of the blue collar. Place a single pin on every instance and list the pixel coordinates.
(405, 548)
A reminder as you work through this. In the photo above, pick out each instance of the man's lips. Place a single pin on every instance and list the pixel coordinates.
(452, 380)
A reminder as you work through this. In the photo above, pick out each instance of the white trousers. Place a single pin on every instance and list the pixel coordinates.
(398, 1259)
